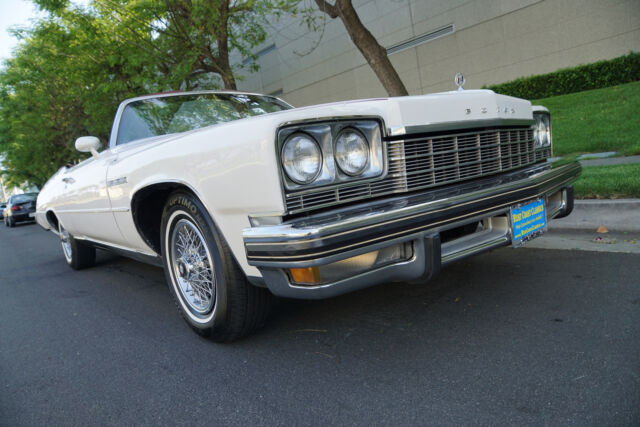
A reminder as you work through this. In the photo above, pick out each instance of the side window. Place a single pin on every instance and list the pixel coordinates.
(132, 127)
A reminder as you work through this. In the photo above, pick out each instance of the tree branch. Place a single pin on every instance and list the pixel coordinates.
(328, 8)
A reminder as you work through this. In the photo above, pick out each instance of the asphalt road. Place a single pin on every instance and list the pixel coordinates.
(526, 336)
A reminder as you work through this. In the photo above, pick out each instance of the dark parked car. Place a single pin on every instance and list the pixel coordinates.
(20, 207)
(2, 206)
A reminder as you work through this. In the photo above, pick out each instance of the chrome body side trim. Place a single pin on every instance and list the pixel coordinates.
(94, 210)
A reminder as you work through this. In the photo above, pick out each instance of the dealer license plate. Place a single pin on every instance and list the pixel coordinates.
(528, 221)
(32, 215)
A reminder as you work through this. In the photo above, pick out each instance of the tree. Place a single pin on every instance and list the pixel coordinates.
(375, 54)
(187, 41)
(62, 83)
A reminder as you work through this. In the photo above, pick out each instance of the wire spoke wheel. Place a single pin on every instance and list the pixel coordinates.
(208, 286)
(192, 267)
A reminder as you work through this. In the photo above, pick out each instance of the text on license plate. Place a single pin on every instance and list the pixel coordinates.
(527, 220)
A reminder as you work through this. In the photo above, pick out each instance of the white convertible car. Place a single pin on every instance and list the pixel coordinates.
(240, 196)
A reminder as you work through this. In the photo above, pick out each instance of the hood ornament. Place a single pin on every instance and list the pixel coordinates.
(459, 79)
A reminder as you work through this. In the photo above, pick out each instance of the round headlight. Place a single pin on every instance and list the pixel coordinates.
(352, 152)
(301, 158)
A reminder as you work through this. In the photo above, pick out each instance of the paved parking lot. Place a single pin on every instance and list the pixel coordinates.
(526, 336)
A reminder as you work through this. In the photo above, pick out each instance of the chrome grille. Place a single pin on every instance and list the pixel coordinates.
(424, 162)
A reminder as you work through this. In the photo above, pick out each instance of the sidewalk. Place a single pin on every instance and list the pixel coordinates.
(588, 241)
(610, 161)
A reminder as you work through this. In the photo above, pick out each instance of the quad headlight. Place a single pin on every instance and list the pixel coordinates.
(542, 130)
(320, 154)
(301, 158)
(351, 152)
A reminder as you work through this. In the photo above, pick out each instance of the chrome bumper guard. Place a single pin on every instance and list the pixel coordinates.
(333, 236)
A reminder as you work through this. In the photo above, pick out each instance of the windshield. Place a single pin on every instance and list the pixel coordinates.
(172, 114)
(22, 198)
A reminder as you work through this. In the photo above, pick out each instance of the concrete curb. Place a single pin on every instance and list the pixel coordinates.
(610, 161)
(616, 215)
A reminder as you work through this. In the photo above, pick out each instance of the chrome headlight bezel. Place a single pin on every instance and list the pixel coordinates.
(326, 133)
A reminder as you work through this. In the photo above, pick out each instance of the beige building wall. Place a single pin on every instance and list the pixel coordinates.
(492, 41)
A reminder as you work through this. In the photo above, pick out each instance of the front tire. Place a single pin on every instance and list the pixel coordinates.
(77, 254)
(208, 287)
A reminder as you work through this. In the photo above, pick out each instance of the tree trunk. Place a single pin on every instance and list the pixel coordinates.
(223, 47)
(375, 54)
(228, 79)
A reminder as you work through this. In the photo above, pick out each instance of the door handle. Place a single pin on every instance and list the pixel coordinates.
(68, 180)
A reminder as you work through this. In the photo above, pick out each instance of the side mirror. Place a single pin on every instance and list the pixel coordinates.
(88, 144)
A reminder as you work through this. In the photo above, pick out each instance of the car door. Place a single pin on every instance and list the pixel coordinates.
(86, 202)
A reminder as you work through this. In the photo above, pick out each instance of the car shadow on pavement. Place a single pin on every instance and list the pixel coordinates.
(23, 223)
(401, 313)
(486, 296)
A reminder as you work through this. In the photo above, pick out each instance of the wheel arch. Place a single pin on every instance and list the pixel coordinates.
(52, 220)
(147, 205)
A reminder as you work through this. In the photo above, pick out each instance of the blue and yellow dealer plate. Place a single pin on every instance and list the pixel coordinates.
(528, 221)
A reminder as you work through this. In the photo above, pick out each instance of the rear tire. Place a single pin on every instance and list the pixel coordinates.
(78, 254)
(11, 222)
(209, 288)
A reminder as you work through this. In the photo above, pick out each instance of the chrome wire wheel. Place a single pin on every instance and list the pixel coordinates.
(65, 241)
(208, 286)
(192, 267)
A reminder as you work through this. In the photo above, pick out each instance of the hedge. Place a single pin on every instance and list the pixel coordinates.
(624, 69)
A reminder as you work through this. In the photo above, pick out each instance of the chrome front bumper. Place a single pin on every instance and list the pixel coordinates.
(419, 218)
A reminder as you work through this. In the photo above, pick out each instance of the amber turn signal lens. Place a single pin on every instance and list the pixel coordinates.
(310, 275)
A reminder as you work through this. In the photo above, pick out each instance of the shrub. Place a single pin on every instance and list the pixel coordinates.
(624, 69)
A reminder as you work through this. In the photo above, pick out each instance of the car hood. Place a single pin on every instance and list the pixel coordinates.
(446, 110)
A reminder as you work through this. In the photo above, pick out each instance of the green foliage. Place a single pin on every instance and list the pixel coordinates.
(623, 69)
(183, 43)
(596, 120)
(73, 68)
(51, 92)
